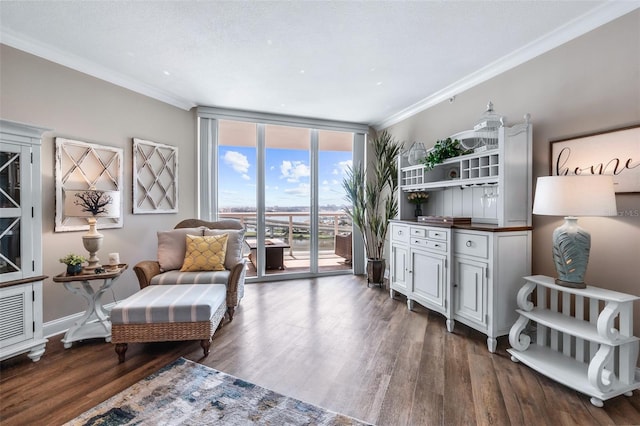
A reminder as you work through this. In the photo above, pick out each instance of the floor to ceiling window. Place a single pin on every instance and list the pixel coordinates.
(284, 182)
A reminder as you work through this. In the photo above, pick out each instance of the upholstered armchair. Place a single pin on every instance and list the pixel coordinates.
(171, 254)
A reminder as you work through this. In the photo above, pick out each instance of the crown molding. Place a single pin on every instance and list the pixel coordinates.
(571, 30)
(50, 53)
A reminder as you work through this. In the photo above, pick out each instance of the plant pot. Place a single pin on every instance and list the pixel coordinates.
(74, 269)
(375, 272)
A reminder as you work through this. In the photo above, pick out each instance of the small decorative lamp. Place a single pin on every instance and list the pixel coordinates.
(571, 196)
(92, 204)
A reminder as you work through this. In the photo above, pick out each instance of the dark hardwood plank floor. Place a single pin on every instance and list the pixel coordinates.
(331, 342)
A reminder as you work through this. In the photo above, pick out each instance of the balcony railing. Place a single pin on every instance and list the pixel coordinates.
(295, 229)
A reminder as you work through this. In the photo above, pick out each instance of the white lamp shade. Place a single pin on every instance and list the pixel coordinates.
(587, 195)
(73, 209)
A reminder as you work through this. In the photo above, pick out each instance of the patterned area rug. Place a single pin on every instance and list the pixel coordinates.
(188, 393)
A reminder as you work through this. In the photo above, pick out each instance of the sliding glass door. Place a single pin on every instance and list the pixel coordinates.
(285, 184)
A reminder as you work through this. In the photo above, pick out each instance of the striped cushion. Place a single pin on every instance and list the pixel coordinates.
(202, 277)
(170, 303)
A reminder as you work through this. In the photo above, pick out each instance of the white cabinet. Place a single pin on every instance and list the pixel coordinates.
(420, 269)
(400, 261)
(21, 320)
(474, 276)
(583, 338)
(20, 241)
(488, 267)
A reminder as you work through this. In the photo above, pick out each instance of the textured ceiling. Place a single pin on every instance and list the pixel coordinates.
(364, 62)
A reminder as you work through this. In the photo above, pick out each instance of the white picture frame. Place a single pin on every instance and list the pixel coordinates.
(82, 165)
(614, 152)
(155, 177)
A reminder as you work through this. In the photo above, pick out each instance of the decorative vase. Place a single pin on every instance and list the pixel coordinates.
(74, 269)
(375, 272)
(418, 211)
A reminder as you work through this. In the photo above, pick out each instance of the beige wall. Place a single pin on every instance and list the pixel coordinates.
(587, 85)
(76, 106)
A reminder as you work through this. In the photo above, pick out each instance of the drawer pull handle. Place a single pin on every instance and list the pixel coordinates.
(399, 232)
(437, 245)
(469, 243)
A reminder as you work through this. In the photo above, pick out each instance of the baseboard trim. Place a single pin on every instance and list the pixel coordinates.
(61, 325)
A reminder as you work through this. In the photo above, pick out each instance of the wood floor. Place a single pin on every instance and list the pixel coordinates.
(332, 342)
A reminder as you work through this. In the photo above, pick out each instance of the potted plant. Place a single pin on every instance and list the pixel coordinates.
(73, 262)
(417, 198)
(373, 199)
(443, 149)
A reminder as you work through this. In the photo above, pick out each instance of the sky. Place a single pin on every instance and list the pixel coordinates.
(287, 177)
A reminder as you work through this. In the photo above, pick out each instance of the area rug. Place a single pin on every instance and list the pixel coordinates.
(188, 393)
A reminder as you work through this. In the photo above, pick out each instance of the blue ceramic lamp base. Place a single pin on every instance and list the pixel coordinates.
(571, 246)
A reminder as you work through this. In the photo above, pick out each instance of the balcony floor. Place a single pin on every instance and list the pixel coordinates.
(299, 262)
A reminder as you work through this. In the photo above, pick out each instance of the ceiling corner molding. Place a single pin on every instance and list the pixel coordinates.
(42, 50)
(571, 30)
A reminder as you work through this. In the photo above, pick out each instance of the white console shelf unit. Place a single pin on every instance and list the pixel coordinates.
(576, 341)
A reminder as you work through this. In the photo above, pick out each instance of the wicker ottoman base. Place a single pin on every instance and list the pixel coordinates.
(122, 334)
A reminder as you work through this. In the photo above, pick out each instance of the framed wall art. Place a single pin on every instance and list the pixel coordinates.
(82, 166)
(155, 177)
(615, 152)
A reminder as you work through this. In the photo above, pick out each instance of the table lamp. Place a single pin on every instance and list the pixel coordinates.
(92, 204)
(571, 196)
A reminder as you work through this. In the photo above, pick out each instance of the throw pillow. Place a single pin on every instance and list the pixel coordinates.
(172, 247)
(205, 253)
(234, 245)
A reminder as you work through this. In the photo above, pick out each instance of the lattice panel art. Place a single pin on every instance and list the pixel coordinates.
(155, 177)
(82, 165)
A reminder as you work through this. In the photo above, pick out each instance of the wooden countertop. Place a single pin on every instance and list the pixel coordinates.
(473, 226)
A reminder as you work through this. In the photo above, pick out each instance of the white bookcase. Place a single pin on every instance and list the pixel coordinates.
(583, 337)
(20, 241)
(493, 186)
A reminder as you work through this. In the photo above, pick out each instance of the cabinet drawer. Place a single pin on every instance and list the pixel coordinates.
(471, 244)
(400, 233)
(437, 235)
(418, 232)
(429, 244)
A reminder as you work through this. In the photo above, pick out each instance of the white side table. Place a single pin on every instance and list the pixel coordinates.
(584, 337)
(95, 322)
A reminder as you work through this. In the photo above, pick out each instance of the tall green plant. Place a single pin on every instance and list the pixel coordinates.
(373, 195)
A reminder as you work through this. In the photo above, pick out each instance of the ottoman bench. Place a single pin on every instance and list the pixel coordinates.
(160, 313)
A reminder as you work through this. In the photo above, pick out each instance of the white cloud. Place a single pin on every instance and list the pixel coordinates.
(237, 161)
(294, 170)
(344, 165)
(246, 177)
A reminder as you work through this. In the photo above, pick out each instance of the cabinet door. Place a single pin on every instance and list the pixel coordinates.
(428, 277)
(399, 267)
(15, 213)
(470, 290)
(16, 321)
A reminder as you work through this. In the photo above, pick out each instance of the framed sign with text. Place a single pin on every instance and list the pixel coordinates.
(615, 152)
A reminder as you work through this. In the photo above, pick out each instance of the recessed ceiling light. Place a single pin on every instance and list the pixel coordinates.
(372, 69)
(165, 72)
(301, 71)
(379, 83)
(269, 42)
